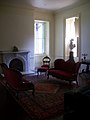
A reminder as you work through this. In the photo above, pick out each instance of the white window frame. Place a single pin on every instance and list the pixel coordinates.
(44, 40)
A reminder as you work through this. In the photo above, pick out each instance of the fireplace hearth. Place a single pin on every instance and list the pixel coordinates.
(17, 60)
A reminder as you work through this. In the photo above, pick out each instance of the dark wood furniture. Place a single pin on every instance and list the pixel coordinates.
(14, 79)
(65, 70)
(45, 66)
(87, 63)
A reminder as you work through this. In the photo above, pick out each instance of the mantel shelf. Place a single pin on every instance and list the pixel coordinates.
(22, 55)
(11, 52)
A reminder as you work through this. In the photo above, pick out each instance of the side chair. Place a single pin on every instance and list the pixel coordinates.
(45, 66)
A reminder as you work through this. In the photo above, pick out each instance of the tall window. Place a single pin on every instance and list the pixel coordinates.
(72, 32)
(39, 32)
(41, 37)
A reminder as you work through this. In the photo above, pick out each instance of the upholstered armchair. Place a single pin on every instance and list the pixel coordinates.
(14, 79)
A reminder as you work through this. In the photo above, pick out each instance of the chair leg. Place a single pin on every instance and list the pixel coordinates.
(37, 73)
(47, 76)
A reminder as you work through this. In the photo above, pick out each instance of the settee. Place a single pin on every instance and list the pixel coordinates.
(65, 70)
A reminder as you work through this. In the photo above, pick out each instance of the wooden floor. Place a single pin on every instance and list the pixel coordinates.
(10, 110)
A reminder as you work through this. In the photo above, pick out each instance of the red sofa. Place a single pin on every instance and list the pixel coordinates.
(65, 70)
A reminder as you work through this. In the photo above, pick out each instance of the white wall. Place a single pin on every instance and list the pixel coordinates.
(16, 29)
(46, 16)
(84, 12)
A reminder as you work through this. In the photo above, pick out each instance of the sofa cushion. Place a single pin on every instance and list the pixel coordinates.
(68, 66)
(60, 73)
(66, 70)
(45, 65)
(58, 63)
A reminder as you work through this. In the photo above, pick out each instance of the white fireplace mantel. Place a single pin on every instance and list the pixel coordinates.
(7, 56)
(11, 52)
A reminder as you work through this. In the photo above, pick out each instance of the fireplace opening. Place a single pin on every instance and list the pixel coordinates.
(16, 64)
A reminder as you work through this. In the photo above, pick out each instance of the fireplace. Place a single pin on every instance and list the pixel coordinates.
(16, 64)
(17, 60)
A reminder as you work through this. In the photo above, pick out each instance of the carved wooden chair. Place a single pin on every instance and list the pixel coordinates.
(14, 79)
(3, 68)
(45, 66)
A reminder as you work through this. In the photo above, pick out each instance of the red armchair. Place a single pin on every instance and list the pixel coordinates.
(15, 80)
(65, 70)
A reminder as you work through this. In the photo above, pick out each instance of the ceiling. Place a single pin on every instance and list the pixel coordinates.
(52, 5)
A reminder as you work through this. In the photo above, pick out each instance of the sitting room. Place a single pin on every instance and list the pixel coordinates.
(31, 30)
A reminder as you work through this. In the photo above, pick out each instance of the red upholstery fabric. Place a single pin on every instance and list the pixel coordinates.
(46, 64)
(69, 66)
(65, 70)
(58, 63)
(15, 80)
(61, 73)
(61, 64)
(43, 69)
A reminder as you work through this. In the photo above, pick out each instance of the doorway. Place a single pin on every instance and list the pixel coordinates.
(72, 34)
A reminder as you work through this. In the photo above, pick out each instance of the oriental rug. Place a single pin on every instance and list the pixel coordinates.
(46, 88)
(47, 103)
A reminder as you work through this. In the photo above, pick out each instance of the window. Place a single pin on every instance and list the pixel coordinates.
(40, 36)
(72, 33)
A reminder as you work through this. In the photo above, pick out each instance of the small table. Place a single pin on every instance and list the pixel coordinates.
(87, 63)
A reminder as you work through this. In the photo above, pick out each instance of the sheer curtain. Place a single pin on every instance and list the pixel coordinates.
(71, 33)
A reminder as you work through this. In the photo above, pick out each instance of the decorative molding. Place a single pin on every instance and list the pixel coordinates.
(8, 56)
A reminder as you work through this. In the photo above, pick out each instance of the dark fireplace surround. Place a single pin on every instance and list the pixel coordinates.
(16, 64)
(17, 60)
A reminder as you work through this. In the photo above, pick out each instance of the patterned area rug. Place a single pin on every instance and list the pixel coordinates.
(47, 103)
(46, 88)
